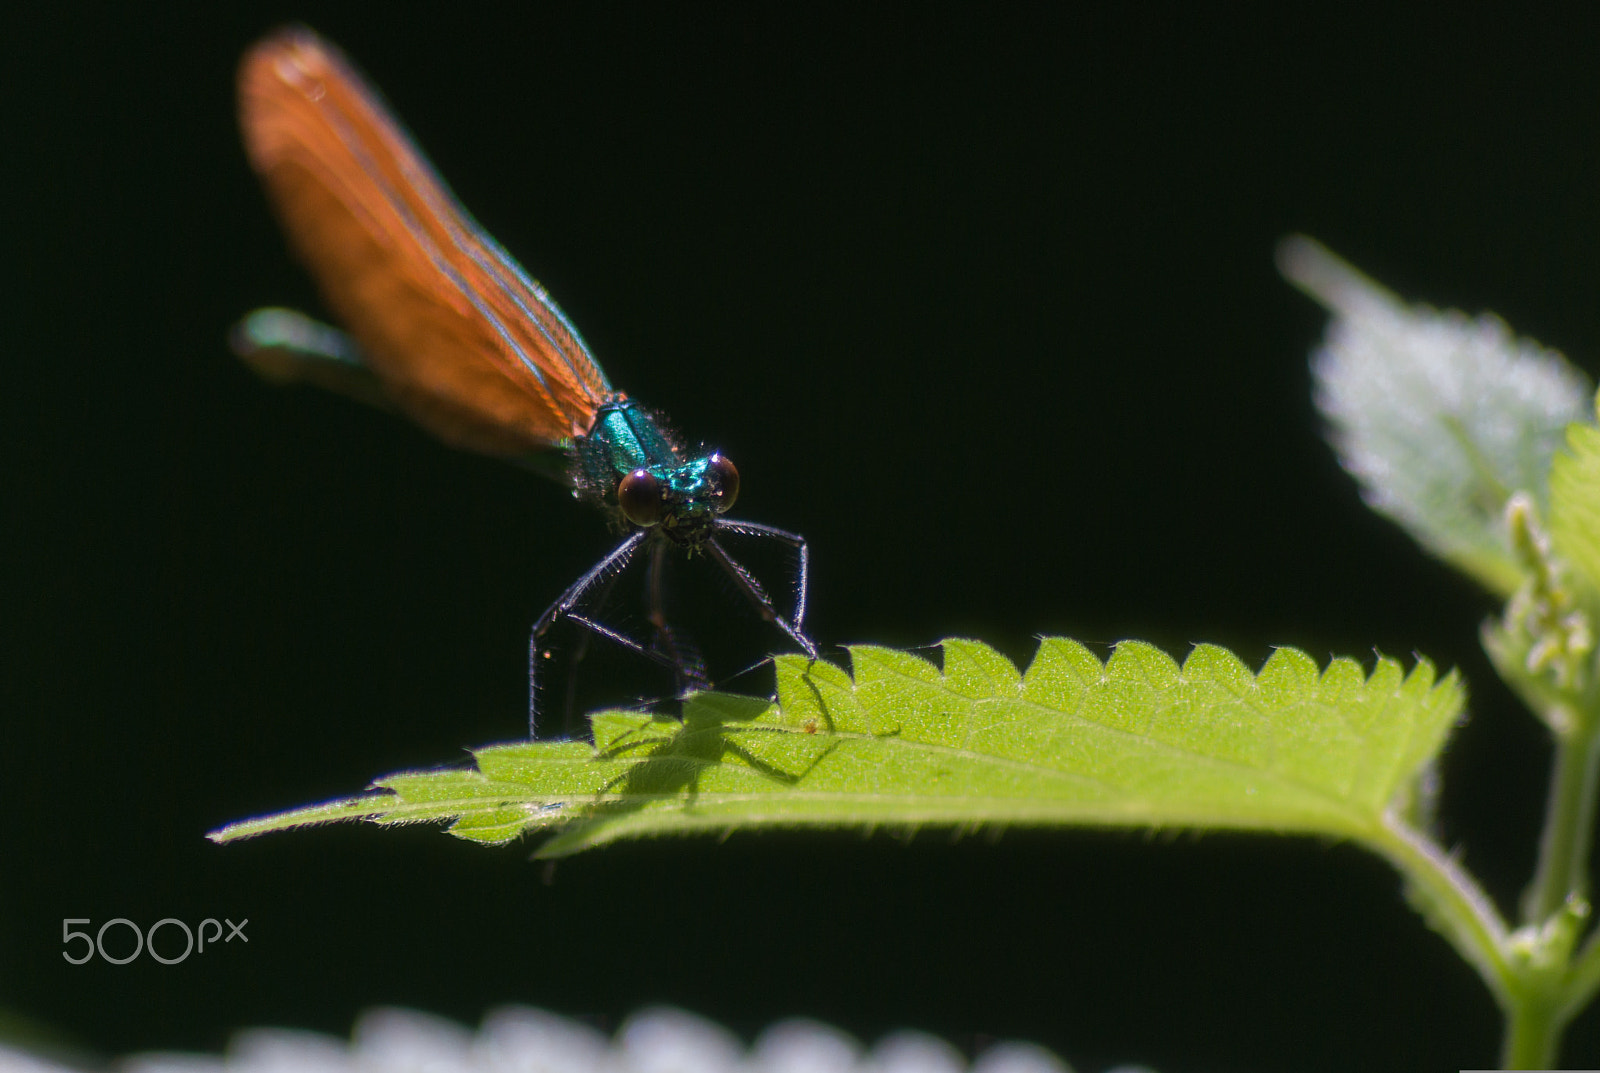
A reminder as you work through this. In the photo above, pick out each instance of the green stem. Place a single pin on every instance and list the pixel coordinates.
(1533, 1033)
(1569, 822)
(1583, 979)
(1547, 991)
(1453, 904)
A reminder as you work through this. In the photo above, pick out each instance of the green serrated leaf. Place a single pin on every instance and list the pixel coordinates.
(1440, 417)
(1134, 741)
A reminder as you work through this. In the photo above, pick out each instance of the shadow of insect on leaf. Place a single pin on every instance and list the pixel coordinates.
(708, 738)
(810, 725)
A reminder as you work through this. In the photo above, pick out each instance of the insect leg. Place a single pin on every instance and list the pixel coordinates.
(795, 541)
(752, 588)
(688, 666)
(601, 594)
(563, 609)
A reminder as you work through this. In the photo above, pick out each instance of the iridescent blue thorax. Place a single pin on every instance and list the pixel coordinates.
(632, 465)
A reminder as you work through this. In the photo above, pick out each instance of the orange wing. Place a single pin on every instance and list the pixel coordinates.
(463, 341)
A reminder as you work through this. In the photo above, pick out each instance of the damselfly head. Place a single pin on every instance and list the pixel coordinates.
(682, 500)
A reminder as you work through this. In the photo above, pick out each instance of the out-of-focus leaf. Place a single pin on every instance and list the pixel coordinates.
(1438, 415)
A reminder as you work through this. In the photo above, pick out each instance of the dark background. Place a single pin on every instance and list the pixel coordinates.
(981, 302)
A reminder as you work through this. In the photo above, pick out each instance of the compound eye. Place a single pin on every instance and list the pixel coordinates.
(641, 499)
(724, 480)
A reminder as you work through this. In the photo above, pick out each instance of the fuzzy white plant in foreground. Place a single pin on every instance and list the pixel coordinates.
(519, 1039)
